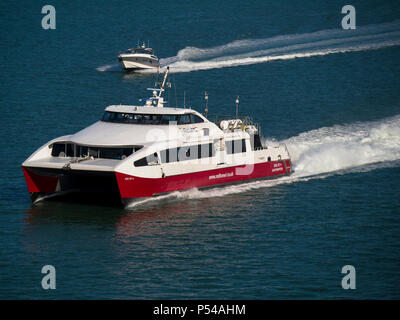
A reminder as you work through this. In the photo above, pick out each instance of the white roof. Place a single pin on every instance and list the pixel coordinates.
(149, 110)
(125, 134)
(112, 134)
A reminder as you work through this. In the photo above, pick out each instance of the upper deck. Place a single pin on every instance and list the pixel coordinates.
(150, 110)
(152, 115)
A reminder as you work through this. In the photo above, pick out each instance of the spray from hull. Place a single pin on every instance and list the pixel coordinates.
(318, 154)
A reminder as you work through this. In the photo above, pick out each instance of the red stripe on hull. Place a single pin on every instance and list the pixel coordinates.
(137, 187)
(39, 183)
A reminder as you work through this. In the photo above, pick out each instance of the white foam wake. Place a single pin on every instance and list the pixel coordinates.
(110, 68)
(320, 153)
(342, 147)
(282, 47)
(285, 47)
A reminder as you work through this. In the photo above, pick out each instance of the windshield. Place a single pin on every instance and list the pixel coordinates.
(69, 149)
(155, 119)
(139, 50)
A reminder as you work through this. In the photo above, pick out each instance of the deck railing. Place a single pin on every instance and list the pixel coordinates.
(247, 121)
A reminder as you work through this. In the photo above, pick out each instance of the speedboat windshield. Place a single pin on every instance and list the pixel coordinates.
(140, 50)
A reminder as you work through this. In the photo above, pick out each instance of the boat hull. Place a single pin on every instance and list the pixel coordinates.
(48, 182)
(133, 63)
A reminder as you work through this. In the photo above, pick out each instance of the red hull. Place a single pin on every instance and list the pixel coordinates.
(39, 183)
(137, 187)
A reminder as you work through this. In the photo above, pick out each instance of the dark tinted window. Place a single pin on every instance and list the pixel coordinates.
(140, 50)
(141, 162)
(184, 119)
(136, 118)
(148, 160)
(257, 142)
(72, 150)
(156, 119)
(196, 119)
(93, 152)
(57, 149)
(115, 153)
(187, 153)
(81, 151)
(166, 118)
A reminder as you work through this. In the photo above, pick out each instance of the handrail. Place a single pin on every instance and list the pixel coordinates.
(247, 121)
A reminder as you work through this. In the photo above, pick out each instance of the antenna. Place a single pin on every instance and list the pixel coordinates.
(184, 99)
(237, 107)
(163, 82)
(176, 97)
(206, 108)
(156, 98)
(169, 92)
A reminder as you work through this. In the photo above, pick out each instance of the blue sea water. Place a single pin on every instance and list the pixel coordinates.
(331, 95)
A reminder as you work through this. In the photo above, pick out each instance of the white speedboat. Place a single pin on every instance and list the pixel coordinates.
(138, 152)
(138, 59)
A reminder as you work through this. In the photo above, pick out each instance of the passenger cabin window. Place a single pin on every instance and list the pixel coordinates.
(58, 150)
(187, 153)
(69, 150)
(189, 119)
(141, 162)
(196, 118)
(151, 159)
(184, 119)
(236, 146)
(155, 119)
(79, 151)
(178, 154)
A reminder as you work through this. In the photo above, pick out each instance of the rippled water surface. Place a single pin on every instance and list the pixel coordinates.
(331, 95)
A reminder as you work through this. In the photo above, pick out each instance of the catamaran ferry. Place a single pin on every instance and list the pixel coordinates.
(137, 152)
